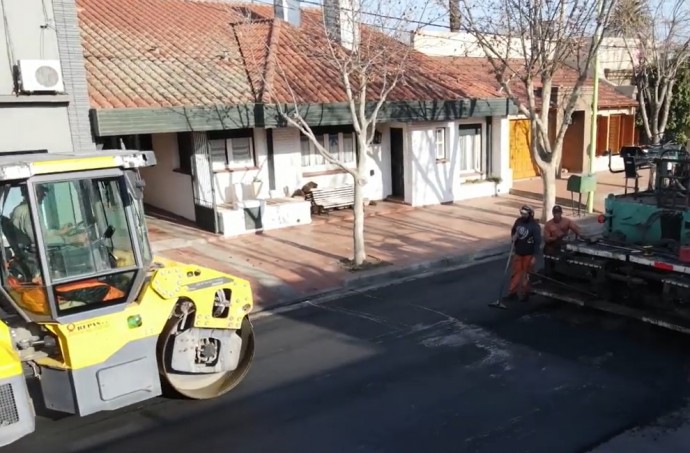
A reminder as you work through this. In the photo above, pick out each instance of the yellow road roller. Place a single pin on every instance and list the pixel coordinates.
(85, 307)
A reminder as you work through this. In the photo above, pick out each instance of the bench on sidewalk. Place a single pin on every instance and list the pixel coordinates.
(327, 198)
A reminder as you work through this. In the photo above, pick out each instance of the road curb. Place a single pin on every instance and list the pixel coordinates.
(403, 271)
(388, 277)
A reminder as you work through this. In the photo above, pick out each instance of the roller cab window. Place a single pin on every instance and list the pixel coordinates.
(88, 242)
(67, 244)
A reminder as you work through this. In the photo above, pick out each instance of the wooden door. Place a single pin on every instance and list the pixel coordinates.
(521, 161)
(573, 144)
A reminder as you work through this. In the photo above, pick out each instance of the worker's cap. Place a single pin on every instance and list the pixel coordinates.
(557, 210)
(526, 210)
(42, 189)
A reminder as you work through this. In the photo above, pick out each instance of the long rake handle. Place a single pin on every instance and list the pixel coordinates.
(498, 302)
(505, 272)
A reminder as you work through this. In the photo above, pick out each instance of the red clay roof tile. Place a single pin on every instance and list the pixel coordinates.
(170, 53)
(173, 53)
(480, 68)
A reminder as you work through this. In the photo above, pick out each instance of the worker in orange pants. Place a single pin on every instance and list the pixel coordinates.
(519, 278)
(526, 235)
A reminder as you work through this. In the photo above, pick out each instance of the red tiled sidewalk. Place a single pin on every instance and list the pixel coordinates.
(294, 263)
(607, 183)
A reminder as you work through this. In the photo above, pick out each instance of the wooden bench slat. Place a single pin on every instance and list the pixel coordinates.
(333, 197)
(347, 192)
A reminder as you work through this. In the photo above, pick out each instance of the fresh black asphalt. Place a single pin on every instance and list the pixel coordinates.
(424, 366)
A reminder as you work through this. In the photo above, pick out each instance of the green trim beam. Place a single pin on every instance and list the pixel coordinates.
(408, 111)
(131, 121)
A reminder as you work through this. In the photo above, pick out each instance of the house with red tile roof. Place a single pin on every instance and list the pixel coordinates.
(615, 117)
(201, 82)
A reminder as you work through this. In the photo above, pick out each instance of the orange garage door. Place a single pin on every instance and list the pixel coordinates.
(520, 157)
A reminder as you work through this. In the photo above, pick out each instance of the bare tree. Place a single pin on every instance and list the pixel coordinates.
(657, 52)
(360, 49)
(529, 44)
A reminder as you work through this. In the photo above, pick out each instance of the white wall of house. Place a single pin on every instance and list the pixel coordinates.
(618, 54)
(615, 54)
(500, 149)
(235, 182)
(456, 168)
(462, 44)
(428, 178)
(165, 188)
(287, 160)
(293, 172)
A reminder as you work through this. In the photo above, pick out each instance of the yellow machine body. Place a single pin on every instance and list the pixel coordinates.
(112, 336)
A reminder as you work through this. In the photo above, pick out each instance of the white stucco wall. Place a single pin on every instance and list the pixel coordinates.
(602, 163)
(501, 152)
(290, 175)
(165, 188)
(429, 182)
(462, 44)
(228, 183)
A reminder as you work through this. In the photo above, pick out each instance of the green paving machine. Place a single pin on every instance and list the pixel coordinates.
(640, 265)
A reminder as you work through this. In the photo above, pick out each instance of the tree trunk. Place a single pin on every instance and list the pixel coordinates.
(652, 169)
(548, 178)
(454, 9)
(358, 228)
(358, 208)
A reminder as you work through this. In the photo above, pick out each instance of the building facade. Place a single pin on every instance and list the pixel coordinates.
(210, 110)
(43, 96)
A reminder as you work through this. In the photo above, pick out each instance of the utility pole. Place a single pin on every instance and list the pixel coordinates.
(595, 108)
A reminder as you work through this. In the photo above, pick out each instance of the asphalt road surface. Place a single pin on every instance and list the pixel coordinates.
(421, 367)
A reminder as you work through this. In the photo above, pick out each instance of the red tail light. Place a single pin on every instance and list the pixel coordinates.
(663, 266)
(601, 218)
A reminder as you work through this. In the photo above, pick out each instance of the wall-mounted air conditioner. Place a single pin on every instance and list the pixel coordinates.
(40, 76)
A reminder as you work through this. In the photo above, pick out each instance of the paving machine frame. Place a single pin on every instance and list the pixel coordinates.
(85, 307)
(640, 265)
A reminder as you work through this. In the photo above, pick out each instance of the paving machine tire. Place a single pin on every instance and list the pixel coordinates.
(202, 385)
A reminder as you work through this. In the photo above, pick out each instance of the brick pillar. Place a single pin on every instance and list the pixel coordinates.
(74, 74)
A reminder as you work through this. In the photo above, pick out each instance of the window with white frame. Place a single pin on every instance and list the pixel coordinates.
(470, 148)
(232, 149)
(441, 144)
(339, 144)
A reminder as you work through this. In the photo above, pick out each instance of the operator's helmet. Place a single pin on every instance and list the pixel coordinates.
(526, 211)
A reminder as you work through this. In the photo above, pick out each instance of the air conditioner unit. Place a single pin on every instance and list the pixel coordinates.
(40, 76)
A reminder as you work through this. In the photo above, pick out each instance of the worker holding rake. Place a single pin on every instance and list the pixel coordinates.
(526, 241)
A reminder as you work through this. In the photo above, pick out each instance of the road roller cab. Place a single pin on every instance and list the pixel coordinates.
(87, 307)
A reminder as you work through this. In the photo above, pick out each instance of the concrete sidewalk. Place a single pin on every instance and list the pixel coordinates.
(296, 263)
(607, 183)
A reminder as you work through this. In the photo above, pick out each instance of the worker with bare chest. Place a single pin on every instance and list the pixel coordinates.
(556, 229)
